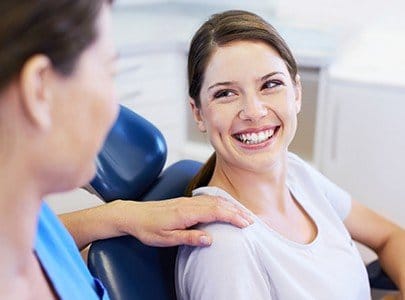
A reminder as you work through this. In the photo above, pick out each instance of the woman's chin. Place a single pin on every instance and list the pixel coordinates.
(82, 177)
(88, 174)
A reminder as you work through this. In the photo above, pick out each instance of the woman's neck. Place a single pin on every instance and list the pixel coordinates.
(260, 192)
(20, 202)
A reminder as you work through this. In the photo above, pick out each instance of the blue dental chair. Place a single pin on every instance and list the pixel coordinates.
(130, 167)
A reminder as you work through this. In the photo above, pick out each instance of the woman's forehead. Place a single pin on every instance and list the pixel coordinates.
(243, 58)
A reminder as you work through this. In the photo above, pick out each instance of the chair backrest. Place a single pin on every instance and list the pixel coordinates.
(128, 268)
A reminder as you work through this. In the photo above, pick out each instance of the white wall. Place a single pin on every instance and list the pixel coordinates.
(72, 200)
(347, 14)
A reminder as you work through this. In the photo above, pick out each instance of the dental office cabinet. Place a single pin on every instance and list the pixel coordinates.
(361, 134)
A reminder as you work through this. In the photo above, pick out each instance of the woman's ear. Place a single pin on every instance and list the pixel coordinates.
(298, 93)
(197, 115)
(35, 94)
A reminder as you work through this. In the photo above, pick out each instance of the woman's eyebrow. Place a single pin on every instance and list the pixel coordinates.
(270, 75)
(233, 82)
(221, 83)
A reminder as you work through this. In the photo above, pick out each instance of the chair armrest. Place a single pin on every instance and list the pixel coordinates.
(132, 270)
(377, 277)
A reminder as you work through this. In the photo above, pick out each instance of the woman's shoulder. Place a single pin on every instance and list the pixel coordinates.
(227, 232)
(232, 248)
(229, 244)
(224, 268)
(225, 235)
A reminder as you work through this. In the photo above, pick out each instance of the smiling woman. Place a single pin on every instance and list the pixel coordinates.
(245, 94)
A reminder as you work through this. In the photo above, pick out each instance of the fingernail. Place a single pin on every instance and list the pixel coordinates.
(246, 223)
(205, 240)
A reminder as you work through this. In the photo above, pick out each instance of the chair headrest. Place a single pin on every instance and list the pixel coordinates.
(131, 159)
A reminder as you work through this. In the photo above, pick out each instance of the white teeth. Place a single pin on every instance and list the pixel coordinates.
(255, 138)
(262, 136)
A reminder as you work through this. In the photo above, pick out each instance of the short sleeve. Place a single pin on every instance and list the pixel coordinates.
(340, 200)
(228, 269)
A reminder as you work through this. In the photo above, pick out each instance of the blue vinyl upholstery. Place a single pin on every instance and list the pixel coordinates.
(377, 277)
(132, 157)
(129, 167)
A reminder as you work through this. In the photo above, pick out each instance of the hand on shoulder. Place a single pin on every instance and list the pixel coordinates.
(167, 223)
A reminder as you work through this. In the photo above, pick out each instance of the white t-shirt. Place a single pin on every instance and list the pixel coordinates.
(258, 263)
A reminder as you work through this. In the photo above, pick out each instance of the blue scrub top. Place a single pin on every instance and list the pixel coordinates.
(62, 262)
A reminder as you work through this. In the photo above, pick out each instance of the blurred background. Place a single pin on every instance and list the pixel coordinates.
(351, 57)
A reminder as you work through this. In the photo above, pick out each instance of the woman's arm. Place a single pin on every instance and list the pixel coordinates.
(381, 235)
(157, 223)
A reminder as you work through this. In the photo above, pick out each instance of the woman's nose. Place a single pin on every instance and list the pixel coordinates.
(253, 109)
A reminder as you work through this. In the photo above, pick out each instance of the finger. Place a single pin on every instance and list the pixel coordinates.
(191, 237)
(225, 211)
(239, 218)
(217, 214)
(225, 206)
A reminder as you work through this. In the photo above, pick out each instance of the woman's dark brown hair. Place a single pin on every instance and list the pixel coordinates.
(222, 29)
(59, 29)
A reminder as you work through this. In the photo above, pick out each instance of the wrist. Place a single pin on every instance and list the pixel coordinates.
(114, 211)
(123, 216)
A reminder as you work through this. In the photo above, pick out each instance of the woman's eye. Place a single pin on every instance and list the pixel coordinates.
(224, 93)
(271, 84)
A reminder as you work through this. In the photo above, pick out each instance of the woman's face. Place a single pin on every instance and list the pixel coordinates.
(85, 107)
(249, 105)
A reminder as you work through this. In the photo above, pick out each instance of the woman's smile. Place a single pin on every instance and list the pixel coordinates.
(255, 139)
